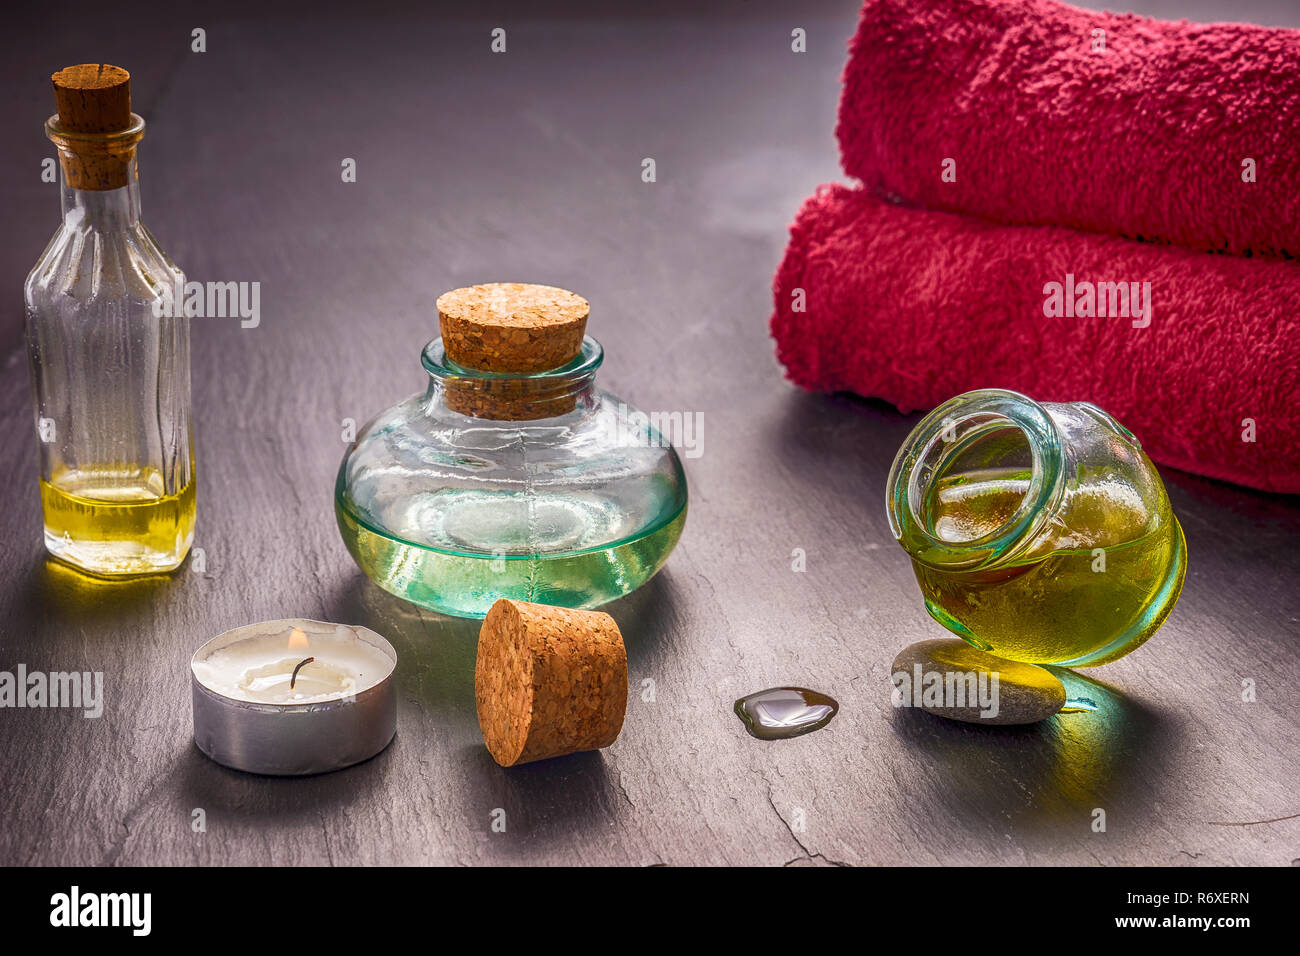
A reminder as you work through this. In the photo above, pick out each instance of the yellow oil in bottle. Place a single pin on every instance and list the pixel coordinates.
(1092, 586)
(116, 520)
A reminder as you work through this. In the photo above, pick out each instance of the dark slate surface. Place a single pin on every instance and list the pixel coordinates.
(477, 167)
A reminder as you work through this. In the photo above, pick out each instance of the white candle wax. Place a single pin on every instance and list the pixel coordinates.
(259, 668)
(294, 697)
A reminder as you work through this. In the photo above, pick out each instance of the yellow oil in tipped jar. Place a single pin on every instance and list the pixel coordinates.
(115, 520)
(1072, 590)
(1040, 532)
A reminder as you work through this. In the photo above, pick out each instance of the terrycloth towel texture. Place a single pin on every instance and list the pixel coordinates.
(915, 306)
(1146, 139)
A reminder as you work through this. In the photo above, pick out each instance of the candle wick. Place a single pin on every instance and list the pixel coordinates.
(294, 676)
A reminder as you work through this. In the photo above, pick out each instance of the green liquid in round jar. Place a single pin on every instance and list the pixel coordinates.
(446, 573)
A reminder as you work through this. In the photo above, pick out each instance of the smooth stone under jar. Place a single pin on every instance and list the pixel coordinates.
(512, 482)
(1039, 532)
(950, 678)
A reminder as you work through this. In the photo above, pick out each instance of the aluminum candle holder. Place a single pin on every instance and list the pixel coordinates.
(294, 697)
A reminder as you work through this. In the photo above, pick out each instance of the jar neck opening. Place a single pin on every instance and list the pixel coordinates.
(107, 210)
(976, 480)
(512, 396)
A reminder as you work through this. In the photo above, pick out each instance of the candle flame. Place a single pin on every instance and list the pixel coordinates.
(298, 640)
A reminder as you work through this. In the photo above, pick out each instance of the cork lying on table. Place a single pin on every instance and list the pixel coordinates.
(96, 132)
(548, 681)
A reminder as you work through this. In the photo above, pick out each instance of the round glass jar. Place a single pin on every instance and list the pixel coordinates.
(533, 486)
(1039, 532)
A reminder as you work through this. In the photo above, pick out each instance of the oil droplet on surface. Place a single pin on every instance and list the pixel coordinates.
(781, 712)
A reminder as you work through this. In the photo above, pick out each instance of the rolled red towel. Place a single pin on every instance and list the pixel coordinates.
(915, 306)
(1047, 114)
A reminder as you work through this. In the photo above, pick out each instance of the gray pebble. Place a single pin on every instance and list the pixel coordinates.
(973, 686)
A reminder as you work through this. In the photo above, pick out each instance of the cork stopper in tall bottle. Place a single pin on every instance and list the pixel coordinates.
(95, 130)
(93, 98)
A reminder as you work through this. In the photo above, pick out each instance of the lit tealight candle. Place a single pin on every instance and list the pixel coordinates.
(294, 697)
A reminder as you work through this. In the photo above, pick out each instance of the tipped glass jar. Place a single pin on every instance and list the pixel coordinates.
(110, 375)
(530, 485)
(1038, 532)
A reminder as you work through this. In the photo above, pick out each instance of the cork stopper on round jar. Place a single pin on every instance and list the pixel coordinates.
(95, 130)
(512, 327)
(509, 336)
(548, 681)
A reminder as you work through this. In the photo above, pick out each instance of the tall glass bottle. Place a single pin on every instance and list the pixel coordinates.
(110, 359)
